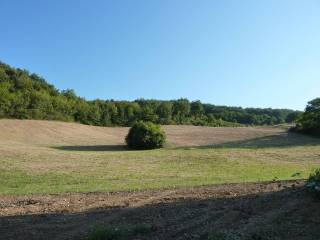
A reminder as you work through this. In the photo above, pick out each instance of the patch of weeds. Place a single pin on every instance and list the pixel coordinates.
(107, 233)
(313, 184)
(101, 233)
(142, 228)
(295, 175)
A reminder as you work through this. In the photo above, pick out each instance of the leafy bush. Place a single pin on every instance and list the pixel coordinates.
(313, 183)
(309, 121)
(145, 135)
(142, 228)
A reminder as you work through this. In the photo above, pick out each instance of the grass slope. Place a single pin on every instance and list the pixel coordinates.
(55, 157)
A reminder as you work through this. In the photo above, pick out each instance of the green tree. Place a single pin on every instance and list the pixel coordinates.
(196, 109)
(292, 117)
(25, 95)
(309, 122)
(164, 112)
(181, 110)
(5, 99)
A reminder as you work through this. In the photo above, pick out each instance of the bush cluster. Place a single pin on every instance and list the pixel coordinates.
(309, 121)
(145, 135)
(313, 183)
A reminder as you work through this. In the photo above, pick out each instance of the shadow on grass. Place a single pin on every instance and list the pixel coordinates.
(288, 139)
(285, 214)
(93, 148)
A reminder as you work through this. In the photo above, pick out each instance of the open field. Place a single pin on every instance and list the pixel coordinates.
(56, 157)
(95, 176)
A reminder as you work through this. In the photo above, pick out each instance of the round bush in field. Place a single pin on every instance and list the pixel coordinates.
(145, 135)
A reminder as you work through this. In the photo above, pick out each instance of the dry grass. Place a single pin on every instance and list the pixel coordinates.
(52, 157)
(55, 157)
(49, 133)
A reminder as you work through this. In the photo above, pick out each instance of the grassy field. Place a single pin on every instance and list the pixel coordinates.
(54, 157)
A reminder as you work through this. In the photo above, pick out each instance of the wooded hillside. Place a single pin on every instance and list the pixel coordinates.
(29, 96)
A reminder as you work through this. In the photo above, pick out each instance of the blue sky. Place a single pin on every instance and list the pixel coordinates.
(242, 53)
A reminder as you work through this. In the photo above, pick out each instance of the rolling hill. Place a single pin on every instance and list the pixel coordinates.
(61, 180)
(48, 133)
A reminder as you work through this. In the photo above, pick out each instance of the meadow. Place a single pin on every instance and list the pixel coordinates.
(41, 157)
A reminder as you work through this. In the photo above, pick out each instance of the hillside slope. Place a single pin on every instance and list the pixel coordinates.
(54, 133)
(55, 157)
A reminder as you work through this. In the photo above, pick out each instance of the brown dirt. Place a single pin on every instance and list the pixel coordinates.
(278, 210)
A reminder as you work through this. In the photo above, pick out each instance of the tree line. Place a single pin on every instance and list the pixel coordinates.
(309, 121)
(28, 96)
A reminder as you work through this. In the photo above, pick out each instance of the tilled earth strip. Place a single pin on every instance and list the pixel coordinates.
(275, 210)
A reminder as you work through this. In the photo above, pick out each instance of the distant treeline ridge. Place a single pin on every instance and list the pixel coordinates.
(29, 96)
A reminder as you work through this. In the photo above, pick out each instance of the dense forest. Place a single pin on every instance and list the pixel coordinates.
(309, 121)
(29, 96)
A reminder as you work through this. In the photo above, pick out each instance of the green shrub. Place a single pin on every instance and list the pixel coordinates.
(309, 121)
(313, 183)
(142, 228)
(101, 233)
(145, 135)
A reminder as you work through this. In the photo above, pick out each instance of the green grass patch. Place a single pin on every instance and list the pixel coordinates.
(57, 171)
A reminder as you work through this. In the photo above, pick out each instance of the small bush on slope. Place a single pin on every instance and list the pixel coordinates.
(145, 135)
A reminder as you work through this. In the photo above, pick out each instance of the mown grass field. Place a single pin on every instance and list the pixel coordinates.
(53, 157)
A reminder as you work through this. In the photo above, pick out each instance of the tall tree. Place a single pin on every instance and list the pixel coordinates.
(181, 109)
(309, 122)
(197, 109)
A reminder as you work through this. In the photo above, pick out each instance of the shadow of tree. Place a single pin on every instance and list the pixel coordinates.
(286, 214)
(93, 148)
(288, 139)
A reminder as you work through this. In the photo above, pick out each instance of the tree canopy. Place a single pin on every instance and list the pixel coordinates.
(309, 121)
(29, 96)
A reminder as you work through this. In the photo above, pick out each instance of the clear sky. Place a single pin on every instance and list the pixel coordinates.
(241, 53)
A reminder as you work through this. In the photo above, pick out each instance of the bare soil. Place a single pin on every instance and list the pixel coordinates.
(275, 210)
